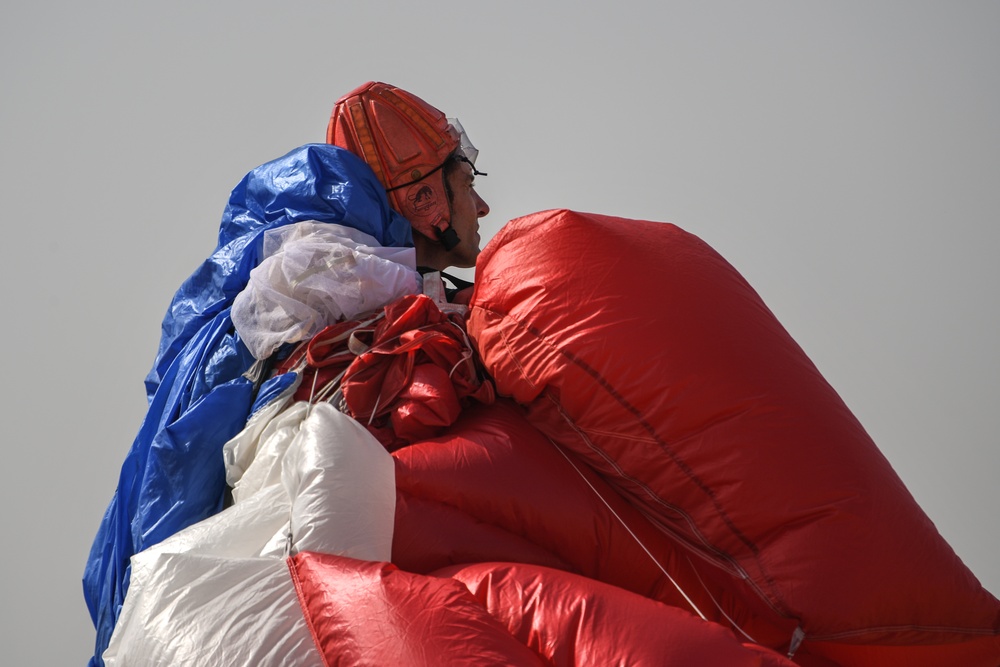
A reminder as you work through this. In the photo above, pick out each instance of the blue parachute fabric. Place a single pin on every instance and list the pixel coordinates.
(271, 390)
(173, 476)
(313, 182)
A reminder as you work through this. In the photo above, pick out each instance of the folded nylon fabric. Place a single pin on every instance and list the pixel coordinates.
(313, 275)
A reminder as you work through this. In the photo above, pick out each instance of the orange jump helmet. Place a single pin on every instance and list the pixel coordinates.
(406, 143)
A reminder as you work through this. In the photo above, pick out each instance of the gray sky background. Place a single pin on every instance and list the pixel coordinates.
(845, 157)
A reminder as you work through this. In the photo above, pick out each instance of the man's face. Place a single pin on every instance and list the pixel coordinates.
(466, 209)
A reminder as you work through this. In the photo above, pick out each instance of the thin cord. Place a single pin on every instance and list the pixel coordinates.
(717, 605)
(653, 558)
(634, 536)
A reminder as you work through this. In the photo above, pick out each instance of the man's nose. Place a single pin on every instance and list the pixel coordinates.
(482, 208)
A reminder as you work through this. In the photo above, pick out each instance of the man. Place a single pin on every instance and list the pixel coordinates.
(426, 164)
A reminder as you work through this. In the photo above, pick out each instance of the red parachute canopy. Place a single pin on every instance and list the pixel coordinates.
(514, 615)
(495, 489)
(675, 456)
(639, 349)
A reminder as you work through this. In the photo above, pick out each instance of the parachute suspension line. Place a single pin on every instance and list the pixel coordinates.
(634, 536)
(466, 353)
(331, 389)
(732, 622)
(465, 360)
(336, 398)
(312, 393)
(288, 538)
(711, 597)
(378, 399)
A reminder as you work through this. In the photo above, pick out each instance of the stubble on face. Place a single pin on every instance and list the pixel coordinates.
(466, 209)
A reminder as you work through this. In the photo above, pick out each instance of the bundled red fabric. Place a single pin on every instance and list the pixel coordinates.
(405, 371)
(639, 348)
(414, 377)
(323, 359)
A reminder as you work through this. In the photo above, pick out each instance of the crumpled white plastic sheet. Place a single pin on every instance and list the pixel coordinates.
(219, 592)
(313, 274)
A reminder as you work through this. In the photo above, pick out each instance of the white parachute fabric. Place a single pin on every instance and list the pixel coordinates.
(343, 489)
(219, 592)
(312, 275)
(256, 527)
(194, 609)
(253, 458)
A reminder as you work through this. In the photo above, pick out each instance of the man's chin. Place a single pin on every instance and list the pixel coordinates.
(465, 258)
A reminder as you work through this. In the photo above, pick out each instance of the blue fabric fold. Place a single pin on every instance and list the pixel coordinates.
(173, 475)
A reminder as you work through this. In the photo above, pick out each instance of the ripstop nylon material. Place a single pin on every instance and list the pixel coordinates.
(713, 422)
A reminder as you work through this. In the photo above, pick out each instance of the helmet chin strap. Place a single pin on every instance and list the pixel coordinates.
(448, 238)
